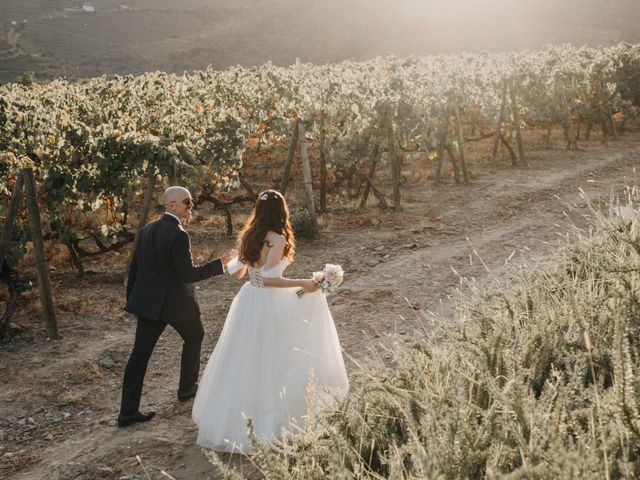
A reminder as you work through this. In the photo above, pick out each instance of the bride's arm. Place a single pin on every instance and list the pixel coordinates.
(239, 273)
(273, 258)
(236, 268)
(279, 282)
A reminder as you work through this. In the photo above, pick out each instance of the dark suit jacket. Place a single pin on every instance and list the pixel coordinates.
(162, 273)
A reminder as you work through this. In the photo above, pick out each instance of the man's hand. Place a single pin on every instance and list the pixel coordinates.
(227, 256)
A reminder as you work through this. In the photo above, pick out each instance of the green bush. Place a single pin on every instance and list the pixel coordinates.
(535, 379)
(302, 223)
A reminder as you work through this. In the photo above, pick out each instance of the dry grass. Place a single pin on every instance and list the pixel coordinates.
(536, 379)
(87, 372)
(18, 462)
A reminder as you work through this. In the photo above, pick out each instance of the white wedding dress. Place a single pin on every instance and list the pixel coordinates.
(272, 346)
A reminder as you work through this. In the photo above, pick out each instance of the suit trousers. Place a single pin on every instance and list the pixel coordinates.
(147, 334)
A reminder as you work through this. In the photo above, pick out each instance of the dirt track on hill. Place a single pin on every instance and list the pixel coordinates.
(59, 400)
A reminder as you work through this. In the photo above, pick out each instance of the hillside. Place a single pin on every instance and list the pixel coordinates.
(58, 37)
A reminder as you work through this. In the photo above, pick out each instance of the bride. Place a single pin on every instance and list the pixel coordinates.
(273, 345)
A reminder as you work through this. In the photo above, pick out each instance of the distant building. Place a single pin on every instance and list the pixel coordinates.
(14, 23)
(88, 8)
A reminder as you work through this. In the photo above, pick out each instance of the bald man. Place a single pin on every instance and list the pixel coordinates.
(160, 292)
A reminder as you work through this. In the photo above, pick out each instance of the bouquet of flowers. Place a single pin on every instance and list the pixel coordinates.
(328, 280)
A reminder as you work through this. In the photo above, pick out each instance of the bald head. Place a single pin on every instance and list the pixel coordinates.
(178, 201)
(174, 193)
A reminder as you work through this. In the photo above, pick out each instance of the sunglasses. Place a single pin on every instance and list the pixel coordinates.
(188, 202)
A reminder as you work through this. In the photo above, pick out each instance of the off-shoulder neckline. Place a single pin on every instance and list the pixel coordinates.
(262, 266)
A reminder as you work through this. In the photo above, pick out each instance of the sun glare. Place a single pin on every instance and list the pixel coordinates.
(445, 10)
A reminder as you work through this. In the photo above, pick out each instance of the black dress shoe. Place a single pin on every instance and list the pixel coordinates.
(189, 394)
(126, 420)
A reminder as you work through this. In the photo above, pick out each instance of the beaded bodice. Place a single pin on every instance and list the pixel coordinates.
(255, 278)
(257, 274)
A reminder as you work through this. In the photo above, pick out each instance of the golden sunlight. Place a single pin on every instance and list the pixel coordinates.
(446, 26)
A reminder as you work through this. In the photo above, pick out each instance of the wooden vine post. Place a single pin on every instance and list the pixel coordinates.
(323, 166)
(441, 152)
(42, 271)
(369, 179)
(142, 220)
(516, 123)
(369, 185)
(460, 138)
(608, 110)
(306, 172)
(393, 159)
(284, 182)
(572, 143)
(298, 136)
(376, 155)
(503, 107)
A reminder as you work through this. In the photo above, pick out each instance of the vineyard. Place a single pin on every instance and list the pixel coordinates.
(393, 144)
(93, 145)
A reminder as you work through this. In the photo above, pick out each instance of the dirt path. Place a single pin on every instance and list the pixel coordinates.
(58, 400)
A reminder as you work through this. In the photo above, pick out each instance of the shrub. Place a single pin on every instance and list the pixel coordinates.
(302, 223)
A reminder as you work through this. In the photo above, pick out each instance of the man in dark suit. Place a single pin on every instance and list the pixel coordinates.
(160, 292)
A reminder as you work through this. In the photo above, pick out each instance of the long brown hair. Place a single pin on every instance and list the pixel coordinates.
(269, 213)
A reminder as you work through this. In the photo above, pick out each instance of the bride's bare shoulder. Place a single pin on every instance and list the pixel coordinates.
(275, 239)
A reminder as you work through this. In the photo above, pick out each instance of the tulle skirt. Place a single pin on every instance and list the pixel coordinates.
(276, 351)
